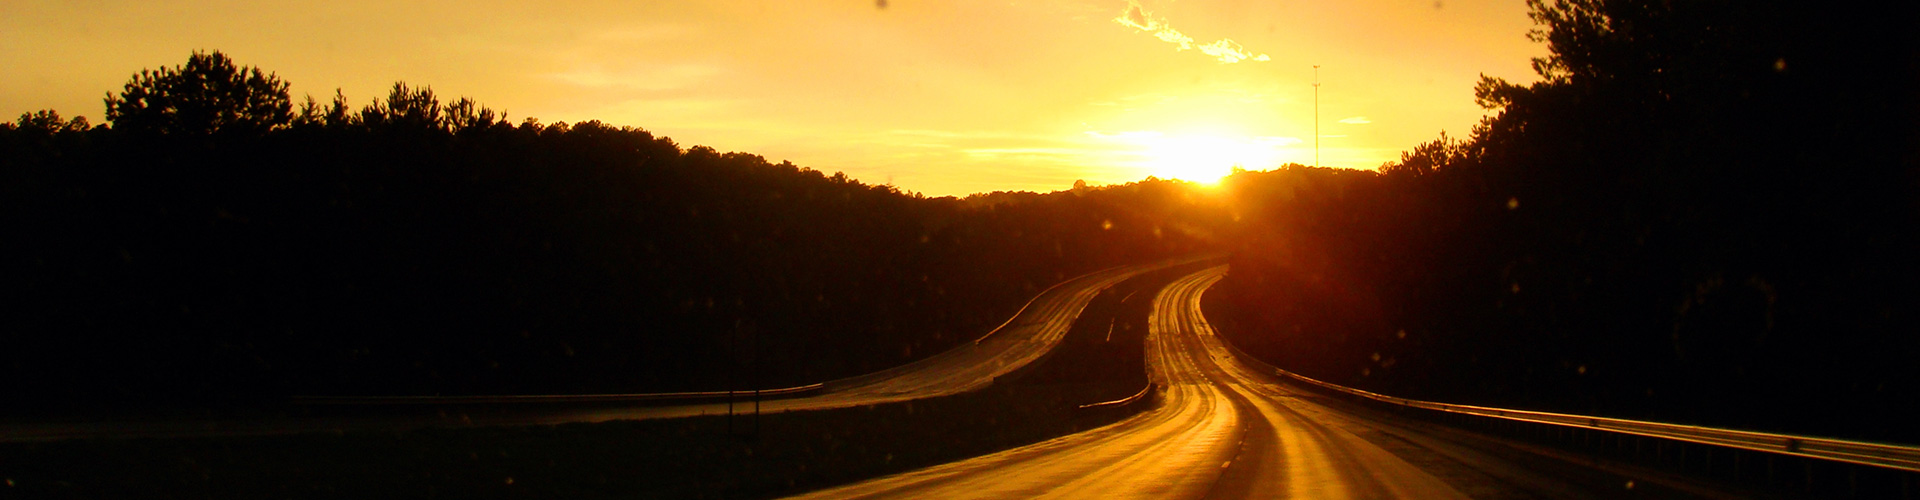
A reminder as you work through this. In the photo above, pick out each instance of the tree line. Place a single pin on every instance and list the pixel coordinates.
(1705, 212)
(216, 243)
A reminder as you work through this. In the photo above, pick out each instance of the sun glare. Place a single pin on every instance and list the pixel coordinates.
(1202, 159)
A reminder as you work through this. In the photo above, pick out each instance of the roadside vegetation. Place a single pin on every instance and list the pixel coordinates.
(220, 243)
(1705, 212)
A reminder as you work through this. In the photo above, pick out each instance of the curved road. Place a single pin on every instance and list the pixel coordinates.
(1228, 430)
(1029, 335)
(1036, 329)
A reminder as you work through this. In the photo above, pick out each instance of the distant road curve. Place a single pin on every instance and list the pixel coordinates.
(1227, 431)
(1037, 328)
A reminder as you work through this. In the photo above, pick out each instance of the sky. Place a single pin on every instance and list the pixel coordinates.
(940, 97)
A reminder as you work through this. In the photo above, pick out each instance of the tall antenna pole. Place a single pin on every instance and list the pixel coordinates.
(1316, 115)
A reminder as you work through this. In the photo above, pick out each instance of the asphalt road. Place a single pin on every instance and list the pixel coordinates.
(1228, 430)
(1027, 336)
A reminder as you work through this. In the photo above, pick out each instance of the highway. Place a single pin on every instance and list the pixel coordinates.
(1027, 336)
(1227, 430)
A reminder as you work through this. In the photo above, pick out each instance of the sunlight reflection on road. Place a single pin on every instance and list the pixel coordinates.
(1213, 436)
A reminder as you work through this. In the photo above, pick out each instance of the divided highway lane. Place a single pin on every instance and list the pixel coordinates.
(1226, 431)
(1030, 334)
(1033, 331)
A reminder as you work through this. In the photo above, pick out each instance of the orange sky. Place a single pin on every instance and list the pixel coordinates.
(939, 97)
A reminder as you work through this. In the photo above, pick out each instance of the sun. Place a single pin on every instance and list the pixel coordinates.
(1203, 159)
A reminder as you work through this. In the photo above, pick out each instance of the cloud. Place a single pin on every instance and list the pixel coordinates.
(1136, 16)
(1356, 120)
(1225, 50)
(1228, 51)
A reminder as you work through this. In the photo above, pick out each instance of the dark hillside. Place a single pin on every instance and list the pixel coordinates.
(420, 247)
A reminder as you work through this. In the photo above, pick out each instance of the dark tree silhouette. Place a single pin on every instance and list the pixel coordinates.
(1704, 212)
(412, 246)
(336, 113)
(406, 107)
(48, 122)
(205, 96)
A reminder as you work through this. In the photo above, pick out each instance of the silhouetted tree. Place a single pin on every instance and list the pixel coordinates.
(207, 95)
(405, 107)
(335, 114)
(1701, 210)
(1428, 156)
(465, 115)
(49, 122)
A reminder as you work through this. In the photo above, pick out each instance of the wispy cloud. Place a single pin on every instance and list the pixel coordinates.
(1225, 50)
(1356, 120)
(1229, 51)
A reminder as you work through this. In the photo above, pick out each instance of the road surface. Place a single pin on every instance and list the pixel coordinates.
(1226, 430)
(1031, 333)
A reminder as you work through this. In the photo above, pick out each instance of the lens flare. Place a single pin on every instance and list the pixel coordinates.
(1204, 159)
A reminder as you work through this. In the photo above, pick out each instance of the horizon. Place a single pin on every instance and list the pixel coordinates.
(722, 249)
(971, 98)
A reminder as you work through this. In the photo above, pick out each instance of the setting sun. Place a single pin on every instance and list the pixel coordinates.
(1201, 158)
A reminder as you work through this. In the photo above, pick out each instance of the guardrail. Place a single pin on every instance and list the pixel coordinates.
(1896, 457)
(1144, 391)
(785, 392)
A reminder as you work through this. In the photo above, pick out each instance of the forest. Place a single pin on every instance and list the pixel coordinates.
(216, 245)
(1705, 212)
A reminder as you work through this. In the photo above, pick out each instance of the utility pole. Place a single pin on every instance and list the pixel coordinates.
(1316, 116)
